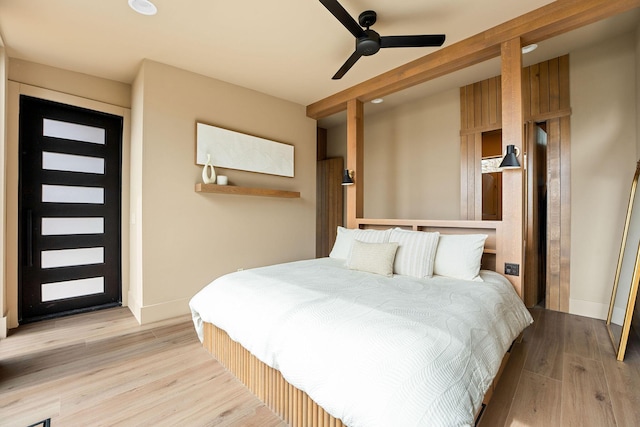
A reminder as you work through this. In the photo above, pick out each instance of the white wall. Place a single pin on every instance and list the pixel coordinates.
(603, 161)
(411, 158)
(184, 239)
(3, 133)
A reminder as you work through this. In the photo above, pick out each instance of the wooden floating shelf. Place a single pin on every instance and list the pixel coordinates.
(246, 191)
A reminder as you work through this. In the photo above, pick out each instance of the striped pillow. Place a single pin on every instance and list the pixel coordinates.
(416, 252)
(345, 237)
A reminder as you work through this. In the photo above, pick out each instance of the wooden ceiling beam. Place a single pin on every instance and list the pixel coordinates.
(556, 18)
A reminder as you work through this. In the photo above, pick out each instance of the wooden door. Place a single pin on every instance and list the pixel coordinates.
(329, 204)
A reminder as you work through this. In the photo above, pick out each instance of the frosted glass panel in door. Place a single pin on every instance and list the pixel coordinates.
(72, 257)
(72, 288)
(73, 131)
(72, 163)
(72, 194)
(65, 226)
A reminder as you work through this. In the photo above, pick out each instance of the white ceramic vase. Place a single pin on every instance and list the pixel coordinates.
(208, 172)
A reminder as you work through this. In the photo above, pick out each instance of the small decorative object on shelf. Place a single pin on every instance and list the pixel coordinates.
(208, 172)
(222, 180)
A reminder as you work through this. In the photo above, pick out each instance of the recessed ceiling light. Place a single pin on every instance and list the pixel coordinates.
(529, 48)
(377, 101)
(144, 7)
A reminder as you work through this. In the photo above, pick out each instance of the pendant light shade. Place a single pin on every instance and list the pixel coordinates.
(510, 160)
(347, 177)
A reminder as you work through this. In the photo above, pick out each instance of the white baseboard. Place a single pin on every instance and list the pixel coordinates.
(134, 306)
(3, 327)
(163, 311)
(592, 309)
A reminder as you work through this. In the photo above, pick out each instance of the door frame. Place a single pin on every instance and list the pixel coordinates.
(11, 179)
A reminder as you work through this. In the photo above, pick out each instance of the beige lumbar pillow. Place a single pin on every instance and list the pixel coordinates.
(373, 257)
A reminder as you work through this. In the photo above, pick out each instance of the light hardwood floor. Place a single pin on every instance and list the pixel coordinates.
(103, 369)
(564, 373)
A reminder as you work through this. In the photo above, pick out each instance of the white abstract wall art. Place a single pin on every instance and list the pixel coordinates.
(234, 150)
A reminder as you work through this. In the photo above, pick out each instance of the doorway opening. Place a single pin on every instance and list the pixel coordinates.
(537, 216)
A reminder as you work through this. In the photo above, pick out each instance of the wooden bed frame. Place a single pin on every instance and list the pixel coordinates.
(294, 406)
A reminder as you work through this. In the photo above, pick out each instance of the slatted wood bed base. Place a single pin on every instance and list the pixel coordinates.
(294, 406)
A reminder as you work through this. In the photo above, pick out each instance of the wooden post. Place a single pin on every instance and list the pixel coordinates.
(512, 180)
(355, 161)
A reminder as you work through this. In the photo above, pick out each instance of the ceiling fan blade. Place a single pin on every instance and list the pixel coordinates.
(412, 41)
(343, 16)
(347, 65)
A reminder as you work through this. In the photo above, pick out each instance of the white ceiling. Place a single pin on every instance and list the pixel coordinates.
(285, 48)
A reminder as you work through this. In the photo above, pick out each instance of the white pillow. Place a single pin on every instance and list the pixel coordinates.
(342, 245)
(373, 257)
(345, 237)
(459, 256)
(416, 252)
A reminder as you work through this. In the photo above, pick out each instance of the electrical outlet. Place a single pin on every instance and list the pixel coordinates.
(511, 269)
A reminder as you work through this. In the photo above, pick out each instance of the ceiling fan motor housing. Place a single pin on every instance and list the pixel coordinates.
(368, 45)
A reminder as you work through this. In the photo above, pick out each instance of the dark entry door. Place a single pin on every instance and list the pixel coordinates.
(69, 209)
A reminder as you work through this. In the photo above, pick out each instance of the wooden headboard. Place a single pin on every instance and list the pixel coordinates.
(491, 257)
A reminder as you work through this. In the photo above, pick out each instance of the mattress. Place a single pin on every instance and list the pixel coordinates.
(371, 350)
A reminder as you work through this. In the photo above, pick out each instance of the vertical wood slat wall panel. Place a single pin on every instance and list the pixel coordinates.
(464, 193)
(526, 91)
(480, 107)
(563, 82)
(294, 406)
(534, 84)
(495, 103)
(553, 212)
(545, 93)
(565, 214)
(543, 87)
(485, 102)
(477, 95)
(554, 85)
(463, 108)
(477, 178)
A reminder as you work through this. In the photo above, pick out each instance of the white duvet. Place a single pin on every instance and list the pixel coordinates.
(371, 350)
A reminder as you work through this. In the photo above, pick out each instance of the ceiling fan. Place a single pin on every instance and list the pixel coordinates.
(368, 41)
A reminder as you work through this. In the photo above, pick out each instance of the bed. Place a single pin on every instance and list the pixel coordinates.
(331, 342)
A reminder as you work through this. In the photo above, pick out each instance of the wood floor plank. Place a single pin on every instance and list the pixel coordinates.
(545, 357)
(108, 370)
(585, 395)
(580, 337)
(536, 402)
(27, 410)
(623, 378)
(110, 381)
(141, 403)
(495, 414)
